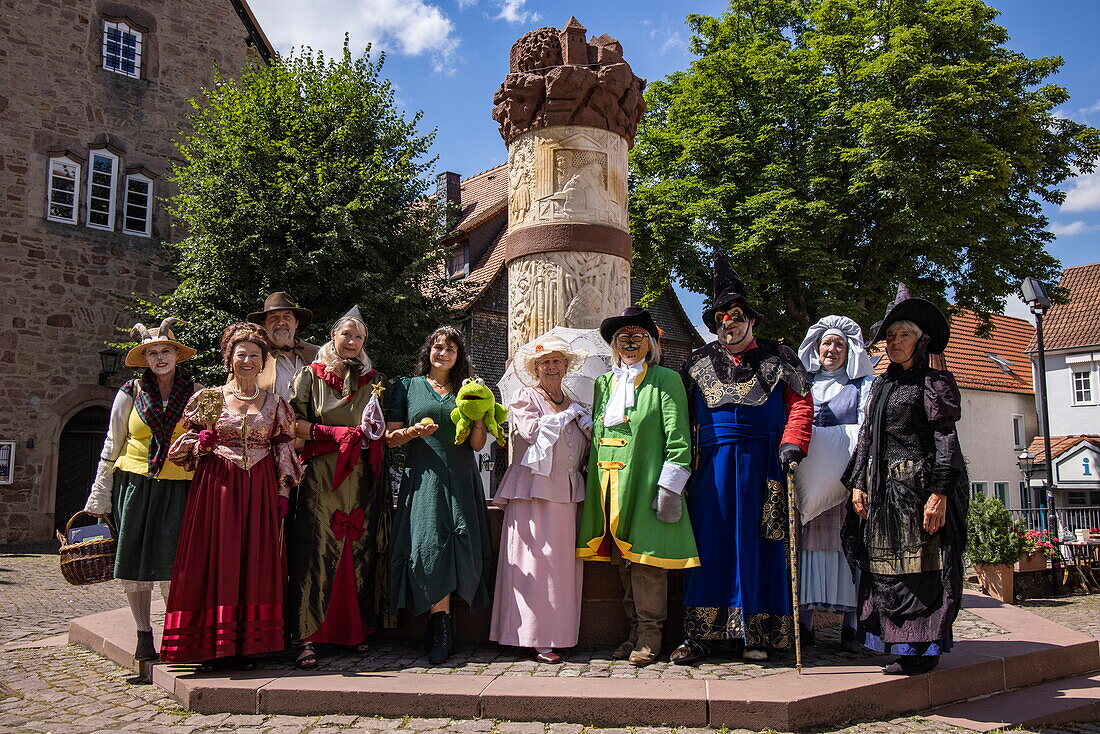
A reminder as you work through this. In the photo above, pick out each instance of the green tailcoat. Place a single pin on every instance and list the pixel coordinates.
(624, 466)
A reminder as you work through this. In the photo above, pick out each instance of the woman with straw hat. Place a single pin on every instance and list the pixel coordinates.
(134, 482)
(537, 602)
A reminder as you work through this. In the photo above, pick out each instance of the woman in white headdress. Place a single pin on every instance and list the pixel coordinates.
(537, 602)
(833, 352)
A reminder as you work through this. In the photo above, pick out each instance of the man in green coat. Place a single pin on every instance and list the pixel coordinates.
(634, 515)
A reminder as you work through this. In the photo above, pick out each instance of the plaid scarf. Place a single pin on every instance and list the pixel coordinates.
(161, 418)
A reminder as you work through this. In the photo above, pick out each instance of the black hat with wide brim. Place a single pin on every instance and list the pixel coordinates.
(924, 314)
(631, 316)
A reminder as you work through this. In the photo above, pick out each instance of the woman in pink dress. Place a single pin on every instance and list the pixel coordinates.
(537, 602)
(229, 578)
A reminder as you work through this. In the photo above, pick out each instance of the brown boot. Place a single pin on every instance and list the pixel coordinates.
(649, 646)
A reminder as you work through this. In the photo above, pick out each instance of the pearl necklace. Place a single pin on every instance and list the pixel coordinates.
(245, 398)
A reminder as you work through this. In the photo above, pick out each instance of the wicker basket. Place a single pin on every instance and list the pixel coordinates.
(90, 561)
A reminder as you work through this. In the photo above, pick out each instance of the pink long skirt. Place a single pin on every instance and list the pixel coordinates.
(537, 601)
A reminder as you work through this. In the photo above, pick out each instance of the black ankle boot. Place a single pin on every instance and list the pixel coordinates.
(443, 638)
(145, 649)
(848, 640)
(809, 637)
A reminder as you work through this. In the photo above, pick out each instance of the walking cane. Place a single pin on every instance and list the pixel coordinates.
(792, 561)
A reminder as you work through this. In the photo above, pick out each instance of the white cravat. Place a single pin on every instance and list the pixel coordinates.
(622, 395)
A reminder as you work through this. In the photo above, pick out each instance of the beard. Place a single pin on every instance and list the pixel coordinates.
(282, 337)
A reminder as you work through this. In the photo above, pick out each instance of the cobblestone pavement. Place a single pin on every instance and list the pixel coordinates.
(49, 686)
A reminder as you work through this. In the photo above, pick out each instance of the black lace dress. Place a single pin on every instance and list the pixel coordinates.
(910, 586)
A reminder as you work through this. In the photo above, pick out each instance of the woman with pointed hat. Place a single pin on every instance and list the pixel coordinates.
(339, 528)
(906, 526)
(135, 482)
(537, 601)
(634, 512)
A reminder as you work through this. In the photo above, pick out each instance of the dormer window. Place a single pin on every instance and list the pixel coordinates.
(121, 48)
(458, 264)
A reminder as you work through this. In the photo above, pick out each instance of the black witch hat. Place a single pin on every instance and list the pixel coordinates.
(924, 314)
(728, 289)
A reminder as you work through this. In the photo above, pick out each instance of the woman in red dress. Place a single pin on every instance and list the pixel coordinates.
(228, 582)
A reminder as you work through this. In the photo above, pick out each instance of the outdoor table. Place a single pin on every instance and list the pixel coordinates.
(1085, 556)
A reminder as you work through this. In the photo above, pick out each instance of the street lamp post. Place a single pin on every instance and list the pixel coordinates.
(1035, 296)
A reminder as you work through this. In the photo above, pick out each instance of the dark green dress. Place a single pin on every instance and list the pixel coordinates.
(441, 530)
(329, 522)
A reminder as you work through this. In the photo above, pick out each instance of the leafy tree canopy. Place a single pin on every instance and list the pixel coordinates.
(302, 176)
(835, 147)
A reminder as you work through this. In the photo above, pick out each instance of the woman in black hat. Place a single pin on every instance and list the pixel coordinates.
(906, 526)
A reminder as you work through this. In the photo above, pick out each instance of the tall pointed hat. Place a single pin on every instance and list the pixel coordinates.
(728, 290)
(924, 314)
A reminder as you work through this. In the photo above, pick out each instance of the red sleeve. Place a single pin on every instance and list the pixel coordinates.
(800, 418)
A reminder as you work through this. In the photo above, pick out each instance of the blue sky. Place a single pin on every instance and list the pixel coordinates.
(447, 58)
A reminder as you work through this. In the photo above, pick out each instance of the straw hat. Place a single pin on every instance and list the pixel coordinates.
(529, 354)
(159, 335)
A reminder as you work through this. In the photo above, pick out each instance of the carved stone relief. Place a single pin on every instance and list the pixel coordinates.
(573, 289)
(568, 174)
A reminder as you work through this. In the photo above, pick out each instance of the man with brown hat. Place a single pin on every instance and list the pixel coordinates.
(282, 319)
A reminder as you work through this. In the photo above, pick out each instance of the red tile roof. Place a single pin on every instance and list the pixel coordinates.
(967, 355)
(483, 196)
(1059, 445)
(1077, 323)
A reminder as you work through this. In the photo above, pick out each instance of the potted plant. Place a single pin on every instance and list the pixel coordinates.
(993, 546)
(1035, 548)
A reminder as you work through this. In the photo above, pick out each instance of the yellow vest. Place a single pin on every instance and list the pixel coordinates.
(135, 454)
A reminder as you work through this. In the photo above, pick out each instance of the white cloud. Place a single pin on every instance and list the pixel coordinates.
(463, 4)
(409, 27)
(1068, 230)
(514, 12)
(1084, 194)
(1086, 111)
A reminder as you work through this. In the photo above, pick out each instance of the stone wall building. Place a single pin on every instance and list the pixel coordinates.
(92, 94)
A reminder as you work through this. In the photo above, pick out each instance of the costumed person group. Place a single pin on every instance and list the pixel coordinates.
(752, 411)
(684, 471)
(136, 483)
(537, 599)
(634, 514)
(440, 546)
(906, 526)
(339, 525)
(227, 596)
(834, 354)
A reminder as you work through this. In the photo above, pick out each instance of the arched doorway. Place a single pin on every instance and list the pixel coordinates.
(77, 459)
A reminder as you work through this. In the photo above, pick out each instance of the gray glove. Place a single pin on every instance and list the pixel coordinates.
(668, 504)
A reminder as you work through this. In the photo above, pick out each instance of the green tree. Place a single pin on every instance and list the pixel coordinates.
(303, 176)
(835, 147)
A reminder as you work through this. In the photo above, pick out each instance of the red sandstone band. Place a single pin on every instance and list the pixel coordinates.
(268, 503)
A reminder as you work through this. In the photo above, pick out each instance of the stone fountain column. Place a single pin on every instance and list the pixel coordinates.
(568, 111)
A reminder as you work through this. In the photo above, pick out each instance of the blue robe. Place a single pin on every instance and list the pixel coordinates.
(741, 591)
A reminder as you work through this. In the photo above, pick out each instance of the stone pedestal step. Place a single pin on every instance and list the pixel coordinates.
(1032, 651)
(1047, 704)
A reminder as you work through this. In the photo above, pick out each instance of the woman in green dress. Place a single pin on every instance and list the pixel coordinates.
(339, 530)
(441, 530)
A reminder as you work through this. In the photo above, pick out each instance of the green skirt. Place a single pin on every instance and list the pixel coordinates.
(147, 515)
